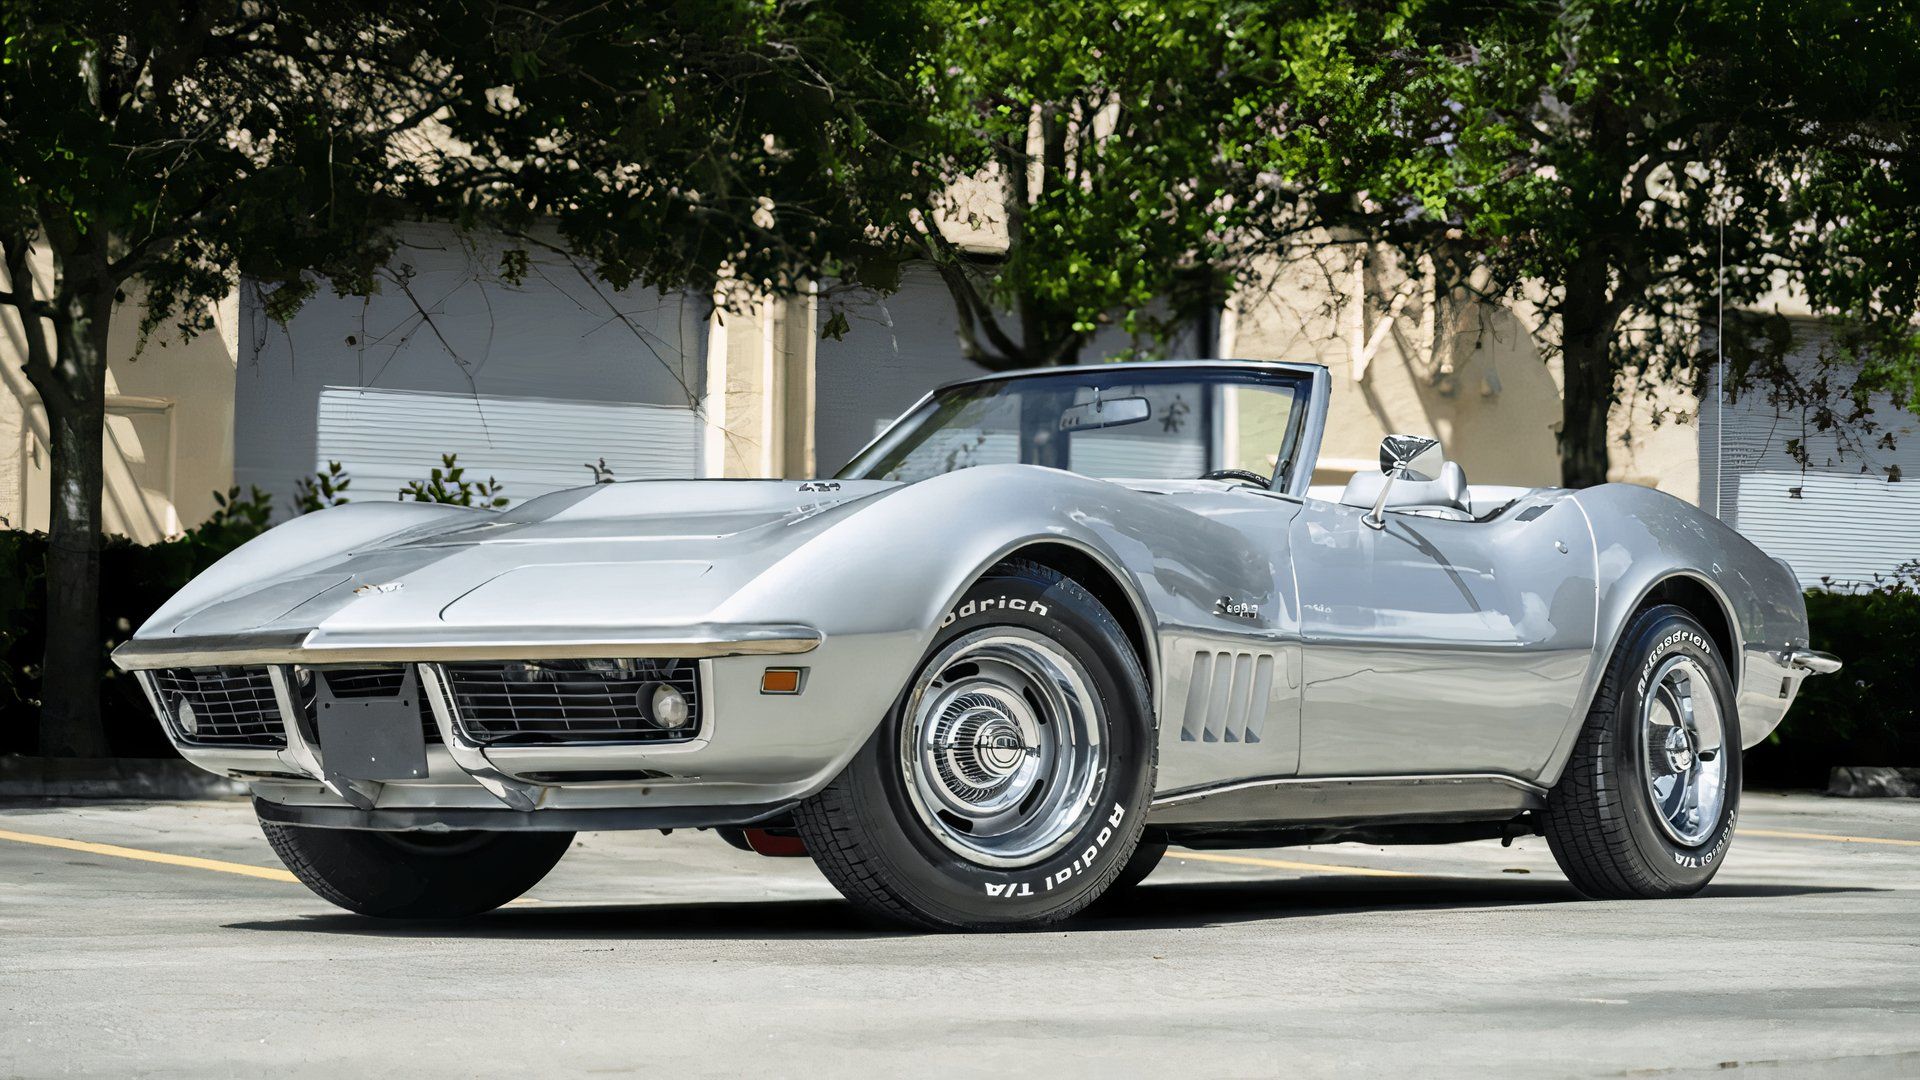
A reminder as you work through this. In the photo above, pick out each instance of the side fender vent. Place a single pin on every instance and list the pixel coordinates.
(1229, 697)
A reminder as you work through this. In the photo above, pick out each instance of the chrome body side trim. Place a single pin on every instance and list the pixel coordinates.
(1175, 798)
(1319, 800)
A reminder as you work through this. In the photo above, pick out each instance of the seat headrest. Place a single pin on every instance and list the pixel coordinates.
(1449, 490)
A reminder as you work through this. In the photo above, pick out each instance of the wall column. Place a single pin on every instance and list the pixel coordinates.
(760, 378)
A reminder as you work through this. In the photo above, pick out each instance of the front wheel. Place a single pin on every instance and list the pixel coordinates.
(416, 875)
(1647, 803)
(1008, 787)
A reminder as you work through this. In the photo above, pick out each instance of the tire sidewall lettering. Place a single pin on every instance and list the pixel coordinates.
(1105, 838)
(970, 607)
(1670, 640)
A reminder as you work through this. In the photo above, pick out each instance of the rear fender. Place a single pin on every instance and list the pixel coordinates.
(1642, 537)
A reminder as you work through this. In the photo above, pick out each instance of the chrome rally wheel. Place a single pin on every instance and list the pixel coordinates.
(1646, 805)
(1683, 750)
(1008, 787)
(1004, 747)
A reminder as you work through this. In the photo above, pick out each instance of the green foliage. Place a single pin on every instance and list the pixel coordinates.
(448, 484)
(667, 141)
(1115, 132)
(1868, 713)
(136, 579)
(235, 520)
(323, 489)
(1611, 152)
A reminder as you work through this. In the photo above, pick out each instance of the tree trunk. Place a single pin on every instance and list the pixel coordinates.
(76, 416)
(1586, 328)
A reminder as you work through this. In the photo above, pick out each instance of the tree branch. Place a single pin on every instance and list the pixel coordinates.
(33, 311)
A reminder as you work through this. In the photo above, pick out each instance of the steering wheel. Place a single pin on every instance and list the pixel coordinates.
(1241, 475)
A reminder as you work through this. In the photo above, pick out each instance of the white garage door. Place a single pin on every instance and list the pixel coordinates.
(386, 438)
(1838, 520)
(525, 381)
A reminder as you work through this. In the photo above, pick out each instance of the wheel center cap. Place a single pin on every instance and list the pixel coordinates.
(980, 746)
(1000, 747)
(1679, 749)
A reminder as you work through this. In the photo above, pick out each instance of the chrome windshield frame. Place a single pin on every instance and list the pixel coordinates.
(1306, 427)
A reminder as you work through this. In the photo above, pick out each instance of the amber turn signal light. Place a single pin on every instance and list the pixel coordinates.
(781, 680)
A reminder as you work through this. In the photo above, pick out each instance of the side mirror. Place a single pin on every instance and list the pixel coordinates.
(1409, 457)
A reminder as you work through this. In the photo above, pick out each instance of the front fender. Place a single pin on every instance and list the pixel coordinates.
(896, 564)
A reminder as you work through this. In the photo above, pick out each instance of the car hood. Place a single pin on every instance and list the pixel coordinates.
(630, 554)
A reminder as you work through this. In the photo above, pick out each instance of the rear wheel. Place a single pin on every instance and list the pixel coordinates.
(1647, 803)
(416, 875)
(1008, 786)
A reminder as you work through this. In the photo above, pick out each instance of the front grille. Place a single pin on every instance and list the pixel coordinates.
(377, 682)
(570, 701)
(220, 706)
(371, 682)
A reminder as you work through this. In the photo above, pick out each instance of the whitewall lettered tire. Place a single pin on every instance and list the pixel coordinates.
(1647, 804)
(1008, 786)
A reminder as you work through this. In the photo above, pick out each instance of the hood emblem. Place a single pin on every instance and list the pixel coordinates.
(821, 485)
(383, 587)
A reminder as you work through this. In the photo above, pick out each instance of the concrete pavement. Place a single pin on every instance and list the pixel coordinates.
(159, 940)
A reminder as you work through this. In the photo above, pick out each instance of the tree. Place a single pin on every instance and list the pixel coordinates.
(1612, 154)
(1109, 131)
(160, 150)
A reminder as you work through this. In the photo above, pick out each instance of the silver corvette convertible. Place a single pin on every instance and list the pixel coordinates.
(1044, 626)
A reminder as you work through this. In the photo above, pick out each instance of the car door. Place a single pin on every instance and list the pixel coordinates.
(1229, 639)
(1440, 646)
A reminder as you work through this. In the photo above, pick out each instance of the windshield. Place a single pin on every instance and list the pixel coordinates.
(1181, 423)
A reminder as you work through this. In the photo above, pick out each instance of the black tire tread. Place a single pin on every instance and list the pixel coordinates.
(298, 860)
(351, 870)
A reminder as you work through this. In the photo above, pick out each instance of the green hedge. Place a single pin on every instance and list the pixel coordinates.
(1866, 714)
(135, 579)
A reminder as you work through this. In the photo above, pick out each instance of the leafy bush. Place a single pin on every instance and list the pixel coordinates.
(449, 484)
(323, 489)
(1869, 712)
(135, 579)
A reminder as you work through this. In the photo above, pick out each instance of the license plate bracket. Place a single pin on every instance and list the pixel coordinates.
(371, 738)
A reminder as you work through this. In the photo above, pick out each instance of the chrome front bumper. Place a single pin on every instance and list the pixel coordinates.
(755, 754)
(321, 647)
(1812, 661)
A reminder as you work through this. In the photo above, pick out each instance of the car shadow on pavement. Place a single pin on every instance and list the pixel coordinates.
(1181, 905)
(1195, 904)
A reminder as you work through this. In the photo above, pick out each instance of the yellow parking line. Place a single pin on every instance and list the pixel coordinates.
(1782, 834)
(267, 872)
(118, 852)
(1285, 864)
